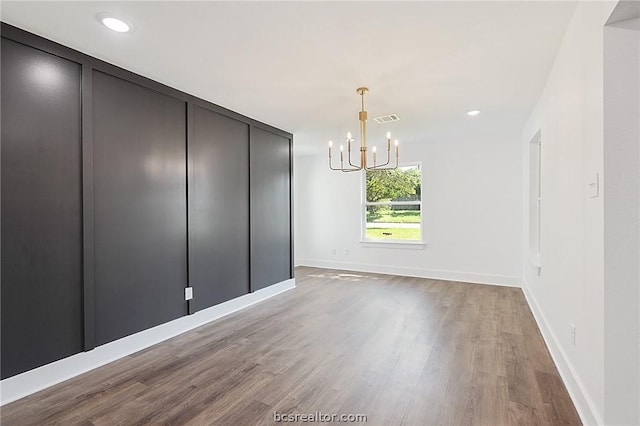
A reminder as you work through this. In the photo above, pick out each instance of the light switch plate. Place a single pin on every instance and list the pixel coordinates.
(188, 293)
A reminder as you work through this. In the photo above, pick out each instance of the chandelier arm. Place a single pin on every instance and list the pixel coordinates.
(342, 168)
(381, 166)
(378, 168)
(331, 164)
(349, 159)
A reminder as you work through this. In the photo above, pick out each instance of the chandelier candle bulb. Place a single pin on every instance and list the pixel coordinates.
(396, 144)
(330, 145)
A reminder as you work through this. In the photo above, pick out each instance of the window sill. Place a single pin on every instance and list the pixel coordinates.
(395, 244)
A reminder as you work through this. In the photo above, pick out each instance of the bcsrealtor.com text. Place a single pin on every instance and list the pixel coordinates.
(318, 417)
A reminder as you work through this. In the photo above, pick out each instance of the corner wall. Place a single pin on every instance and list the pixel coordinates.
(622, 217)
(570, 287)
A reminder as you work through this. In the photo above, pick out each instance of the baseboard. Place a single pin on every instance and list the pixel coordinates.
(577, 391)
(468, 277)
(24, 384)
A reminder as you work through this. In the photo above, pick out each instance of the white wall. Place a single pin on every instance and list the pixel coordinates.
(622, 220)
(570, 287)
(472, 211)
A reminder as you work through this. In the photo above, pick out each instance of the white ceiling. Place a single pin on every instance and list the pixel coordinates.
(296, 65)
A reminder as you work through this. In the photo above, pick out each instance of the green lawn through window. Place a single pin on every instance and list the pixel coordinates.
(394, 233)
(381, 225)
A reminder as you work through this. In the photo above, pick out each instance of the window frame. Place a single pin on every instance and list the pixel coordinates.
(399, 243)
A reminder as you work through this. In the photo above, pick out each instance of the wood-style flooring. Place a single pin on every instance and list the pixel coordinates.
(402, 351)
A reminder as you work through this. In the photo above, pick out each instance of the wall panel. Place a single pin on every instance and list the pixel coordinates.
(218, 208)
(270, 208)
(41, 208)
(140, 207)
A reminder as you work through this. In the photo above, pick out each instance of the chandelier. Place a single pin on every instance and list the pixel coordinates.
(350, 167)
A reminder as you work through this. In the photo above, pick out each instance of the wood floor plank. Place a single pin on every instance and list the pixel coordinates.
(399, 350)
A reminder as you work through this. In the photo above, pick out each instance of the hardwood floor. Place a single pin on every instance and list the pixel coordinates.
(402, 351)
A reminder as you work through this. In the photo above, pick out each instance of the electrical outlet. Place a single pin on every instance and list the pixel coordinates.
(346, 252)
(333, 251)
(188, 293)
(573, 334)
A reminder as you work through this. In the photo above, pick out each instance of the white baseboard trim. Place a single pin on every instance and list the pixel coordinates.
(32, 381)
(584, 404)
(468, 277)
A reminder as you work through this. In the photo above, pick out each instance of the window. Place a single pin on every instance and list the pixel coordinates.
(535, 163)
(392, 207)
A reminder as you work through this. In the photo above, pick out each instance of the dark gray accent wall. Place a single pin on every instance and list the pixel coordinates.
(270, 208)
(118, 192)
(41, 208)
(218, 208)
(139, 207)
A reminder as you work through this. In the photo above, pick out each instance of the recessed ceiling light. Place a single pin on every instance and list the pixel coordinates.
(116, 24)
(473, 113)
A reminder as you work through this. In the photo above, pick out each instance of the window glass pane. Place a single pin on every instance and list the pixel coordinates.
(393, 222)
(401, 184)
